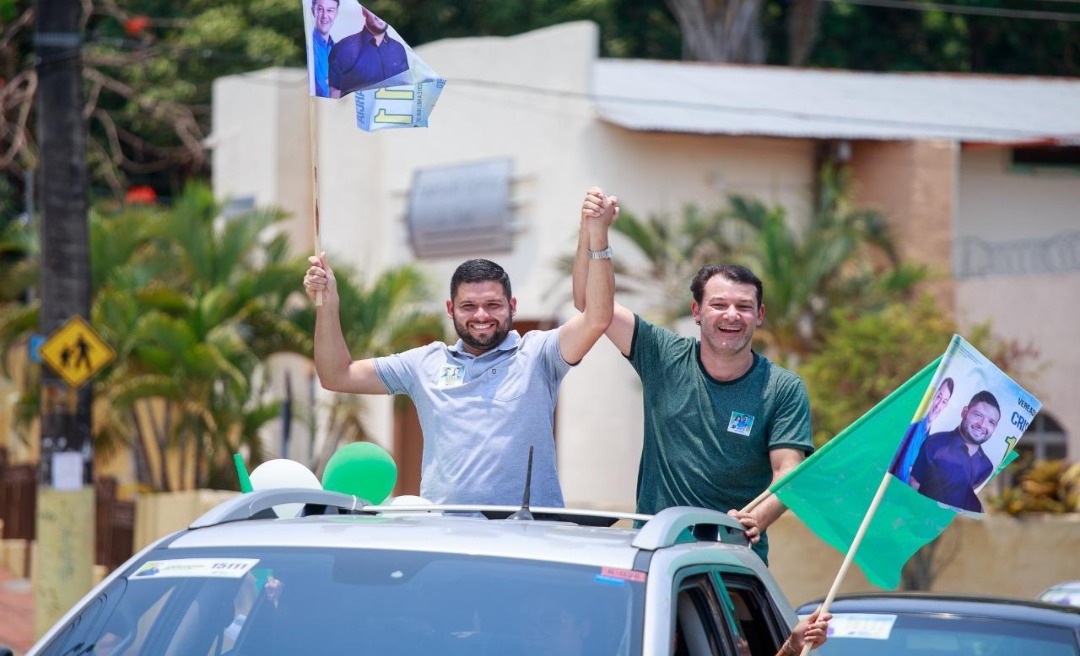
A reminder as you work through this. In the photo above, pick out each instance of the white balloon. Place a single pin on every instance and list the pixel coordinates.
(409, 500)
(282, 472)
(406, 500)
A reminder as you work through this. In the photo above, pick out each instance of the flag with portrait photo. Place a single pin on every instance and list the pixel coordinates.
(834, 490)
(977, 414)
(351, 50)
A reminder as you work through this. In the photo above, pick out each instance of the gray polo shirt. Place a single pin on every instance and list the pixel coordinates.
(480, 414)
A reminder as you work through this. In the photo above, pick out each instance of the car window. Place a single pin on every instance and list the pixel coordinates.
(757, 619)
(701, 626)
(855, 634)
(262, 602)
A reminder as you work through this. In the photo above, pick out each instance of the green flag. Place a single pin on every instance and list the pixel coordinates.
(831, 492)
(834, 490)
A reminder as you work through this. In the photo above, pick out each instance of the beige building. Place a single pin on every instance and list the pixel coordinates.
(540, 117)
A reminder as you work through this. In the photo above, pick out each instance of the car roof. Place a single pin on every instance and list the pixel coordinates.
(944, 604)
(584, 537)
(546, 540)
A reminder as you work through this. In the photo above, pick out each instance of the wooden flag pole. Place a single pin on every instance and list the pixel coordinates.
(758, 501)
(312, 135)
(850, 557)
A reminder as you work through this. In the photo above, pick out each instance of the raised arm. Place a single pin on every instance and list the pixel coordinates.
(621, 329)
(338, 372)
(579, 334)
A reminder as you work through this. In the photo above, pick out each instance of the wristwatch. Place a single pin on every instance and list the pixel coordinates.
(600, 255)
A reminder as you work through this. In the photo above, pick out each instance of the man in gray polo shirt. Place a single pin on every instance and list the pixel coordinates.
(485, 400)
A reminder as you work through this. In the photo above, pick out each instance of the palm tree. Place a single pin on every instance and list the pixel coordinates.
(844, 254)
(194, 305)
(19, 270)
(194, 313)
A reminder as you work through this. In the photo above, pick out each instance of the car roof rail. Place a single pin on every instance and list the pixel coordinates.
(582, 517)
(253, 505)
(670, 524)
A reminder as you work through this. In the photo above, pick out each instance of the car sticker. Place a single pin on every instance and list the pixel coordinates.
(617, 575)
(227, 568)
(867, 626)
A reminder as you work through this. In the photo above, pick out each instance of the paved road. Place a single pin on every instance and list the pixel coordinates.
(16, 613)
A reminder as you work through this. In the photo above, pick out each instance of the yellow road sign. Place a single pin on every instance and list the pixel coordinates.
(76, 352)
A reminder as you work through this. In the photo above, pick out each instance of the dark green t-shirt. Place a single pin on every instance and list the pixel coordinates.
(707, 442)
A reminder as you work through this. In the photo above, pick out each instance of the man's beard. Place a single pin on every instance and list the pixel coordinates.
(376, 27)
(501, 331)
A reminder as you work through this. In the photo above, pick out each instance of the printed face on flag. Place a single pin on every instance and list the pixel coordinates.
(350, 49)
(971, 418)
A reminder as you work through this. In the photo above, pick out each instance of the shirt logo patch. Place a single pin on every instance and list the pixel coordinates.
(450, 375)
(740, 423)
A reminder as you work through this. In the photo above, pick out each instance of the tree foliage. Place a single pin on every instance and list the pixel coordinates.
(844, 254)
(148, 68)
(149, 65)
(872, 38)
(194, 304)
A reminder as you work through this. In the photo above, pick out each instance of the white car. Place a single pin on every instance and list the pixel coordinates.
(346, 577)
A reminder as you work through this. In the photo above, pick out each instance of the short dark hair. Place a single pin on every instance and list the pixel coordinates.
(948, 382)
(731, 272)
(479, 270)
(985, 397)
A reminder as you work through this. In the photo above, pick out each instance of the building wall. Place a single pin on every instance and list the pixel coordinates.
(1017, 263)
(1003, 244)
(999, 555)
(913, 183)
(260, 144)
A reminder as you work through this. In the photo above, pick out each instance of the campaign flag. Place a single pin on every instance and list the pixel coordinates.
(351, 50)
(832, 491)
(972, 416)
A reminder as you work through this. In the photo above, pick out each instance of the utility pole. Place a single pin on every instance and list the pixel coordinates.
(65, 505)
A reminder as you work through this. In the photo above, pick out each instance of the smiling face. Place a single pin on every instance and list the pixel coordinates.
(941, 399)
(483, 316)
(978, 421)
(325, 12)
(728, 315)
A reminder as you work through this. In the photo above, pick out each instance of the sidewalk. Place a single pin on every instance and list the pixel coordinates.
(16, 613)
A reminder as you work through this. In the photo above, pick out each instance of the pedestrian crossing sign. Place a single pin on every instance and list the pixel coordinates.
(76, 352)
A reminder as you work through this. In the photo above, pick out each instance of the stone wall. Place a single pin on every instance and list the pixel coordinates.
(999, 555)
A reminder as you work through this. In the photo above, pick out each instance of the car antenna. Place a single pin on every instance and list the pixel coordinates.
(523, 512)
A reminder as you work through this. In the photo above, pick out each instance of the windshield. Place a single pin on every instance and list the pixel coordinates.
(882, 634)
(243, 602)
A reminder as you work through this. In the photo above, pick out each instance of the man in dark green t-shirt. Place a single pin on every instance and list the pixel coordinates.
(722, 422)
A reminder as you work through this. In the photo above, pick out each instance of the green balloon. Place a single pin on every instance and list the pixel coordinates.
(361, 469)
